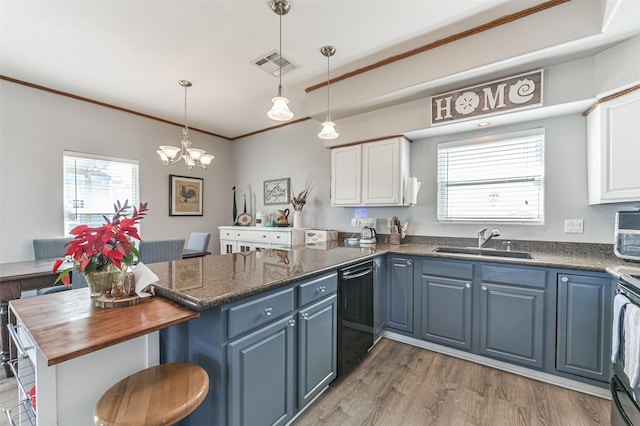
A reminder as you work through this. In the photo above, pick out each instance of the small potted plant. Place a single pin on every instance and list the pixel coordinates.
(103, 254)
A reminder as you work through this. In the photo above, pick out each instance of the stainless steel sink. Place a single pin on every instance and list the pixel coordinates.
(472, 251)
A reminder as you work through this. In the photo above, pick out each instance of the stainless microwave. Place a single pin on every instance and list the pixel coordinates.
(626, 243)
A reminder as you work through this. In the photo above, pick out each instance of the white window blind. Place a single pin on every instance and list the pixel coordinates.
(496, 179)
(92, 184)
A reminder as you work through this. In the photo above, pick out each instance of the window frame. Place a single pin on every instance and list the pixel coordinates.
(491, 138)
(134, 200)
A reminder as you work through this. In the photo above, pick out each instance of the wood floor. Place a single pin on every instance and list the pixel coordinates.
(398, 384)
(401, 385)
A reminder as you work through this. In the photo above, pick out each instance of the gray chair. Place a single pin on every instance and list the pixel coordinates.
(51, 248)
(160, 250)
(199, 241)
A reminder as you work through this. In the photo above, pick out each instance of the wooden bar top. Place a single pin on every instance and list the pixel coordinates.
(66, 325)
(27, 269)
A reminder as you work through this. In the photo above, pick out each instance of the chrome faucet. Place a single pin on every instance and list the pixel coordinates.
(482, 241)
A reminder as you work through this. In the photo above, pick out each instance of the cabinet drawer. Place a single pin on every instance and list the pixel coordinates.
(514, 275)
(258, 312)
(279, 237)
(446, 269)
(317, 288)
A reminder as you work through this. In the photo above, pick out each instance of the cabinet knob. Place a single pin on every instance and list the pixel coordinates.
(268, 312)
(305, 315)
(484, 287)
(292, 322)
(322, 289)
(564, 279)
(467, 285)
(409, 262)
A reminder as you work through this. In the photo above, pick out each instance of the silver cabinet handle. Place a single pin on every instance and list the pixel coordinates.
(292, 322)
(322, 289)
(268, 312)
(564, 279)
(484, 287)
(305, 315)
(409, 262)
(467, 285)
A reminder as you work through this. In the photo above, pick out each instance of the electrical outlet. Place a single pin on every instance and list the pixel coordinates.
(354, 221)
(573, 226)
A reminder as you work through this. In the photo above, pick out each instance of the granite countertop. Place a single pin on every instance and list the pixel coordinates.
(210, 281)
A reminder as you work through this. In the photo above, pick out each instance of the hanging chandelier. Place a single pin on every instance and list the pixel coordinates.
(280, 111)
(191, 156)
(328, 131)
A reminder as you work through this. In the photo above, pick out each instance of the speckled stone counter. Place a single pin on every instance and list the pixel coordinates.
(209, 281)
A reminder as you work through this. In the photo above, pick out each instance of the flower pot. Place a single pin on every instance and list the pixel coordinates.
(101, 282)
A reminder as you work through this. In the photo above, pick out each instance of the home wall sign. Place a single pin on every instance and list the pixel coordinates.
(496, 97)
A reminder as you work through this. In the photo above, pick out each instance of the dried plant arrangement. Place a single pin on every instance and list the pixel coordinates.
(298, 201)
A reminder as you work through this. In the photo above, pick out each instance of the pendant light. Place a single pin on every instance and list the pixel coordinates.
(280, 111)
(328, 132)
(192, 156)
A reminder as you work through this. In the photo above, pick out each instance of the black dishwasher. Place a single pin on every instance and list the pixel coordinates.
(355, 315)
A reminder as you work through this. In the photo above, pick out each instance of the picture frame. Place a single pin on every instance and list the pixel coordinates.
(276, 191)
(185, 195)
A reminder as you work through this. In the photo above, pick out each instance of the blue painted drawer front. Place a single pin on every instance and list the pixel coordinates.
(514, 275)
(316, 289)
(448, 269)
(249, 315)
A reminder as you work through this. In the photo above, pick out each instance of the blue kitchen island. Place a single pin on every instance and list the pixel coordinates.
(267, 331)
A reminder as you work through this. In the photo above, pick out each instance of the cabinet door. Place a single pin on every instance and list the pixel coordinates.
(399, 305)
(446, 311)
(317, 350)
(346, 175)
(613, 150)
(512, 323)
(379, 280)
(261, 376)
(381, 172)
(584, 326)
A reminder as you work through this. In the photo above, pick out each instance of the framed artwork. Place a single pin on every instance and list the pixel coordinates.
(185, 196)
(276, 191)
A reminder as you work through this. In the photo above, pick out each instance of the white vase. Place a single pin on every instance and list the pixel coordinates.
(297, 219)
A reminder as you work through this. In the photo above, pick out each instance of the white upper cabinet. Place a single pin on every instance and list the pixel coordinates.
(613, 149)
(346, 176)
(370, 174)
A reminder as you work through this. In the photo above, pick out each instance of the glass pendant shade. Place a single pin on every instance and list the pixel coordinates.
(328, 132)
(280, 110)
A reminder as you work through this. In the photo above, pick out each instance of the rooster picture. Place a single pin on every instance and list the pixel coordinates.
(188, 194)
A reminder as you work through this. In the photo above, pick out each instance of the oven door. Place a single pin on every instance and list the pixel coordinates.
(624, 411)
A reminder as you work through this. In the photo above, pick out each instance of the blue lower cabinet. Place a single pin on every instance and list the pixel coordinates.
(261, 375)
(399, 305)
(446, 311)
(512, 324)
(317, 351)
(584, 326)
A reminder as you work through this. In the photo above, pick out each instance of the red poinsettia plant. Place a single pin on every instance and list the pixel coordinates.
(94, 249)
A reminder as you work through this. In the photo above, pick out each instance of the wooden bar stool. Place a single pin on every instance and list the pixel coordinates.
(160, 395)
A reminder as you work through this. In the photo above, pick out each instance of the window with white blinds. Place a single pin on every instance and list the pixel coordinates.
(492, 179)
(92, 184)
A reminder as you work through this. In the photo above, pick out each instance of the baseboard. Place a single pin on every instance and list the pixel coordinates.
(500, 365)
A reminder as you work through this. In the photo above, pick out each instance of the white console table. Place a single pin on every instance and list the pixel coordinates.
(235, 239)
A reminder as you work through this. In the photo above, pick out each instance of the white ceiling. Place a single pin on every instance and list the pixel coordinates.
(132, 53)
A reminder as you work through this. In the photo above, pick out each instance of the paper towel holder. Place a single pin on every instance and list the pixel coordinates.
(411, 190)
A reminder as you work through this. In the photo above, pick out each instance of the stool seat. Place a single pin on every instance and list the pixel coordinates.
(160, 395)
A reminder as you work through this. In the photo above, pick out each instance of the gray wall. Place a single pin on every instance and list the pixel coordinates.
(36, 126)
(294, 150)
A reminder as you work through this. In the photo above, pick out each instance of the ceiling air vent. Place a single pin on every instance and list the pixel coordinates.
(271, 61)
